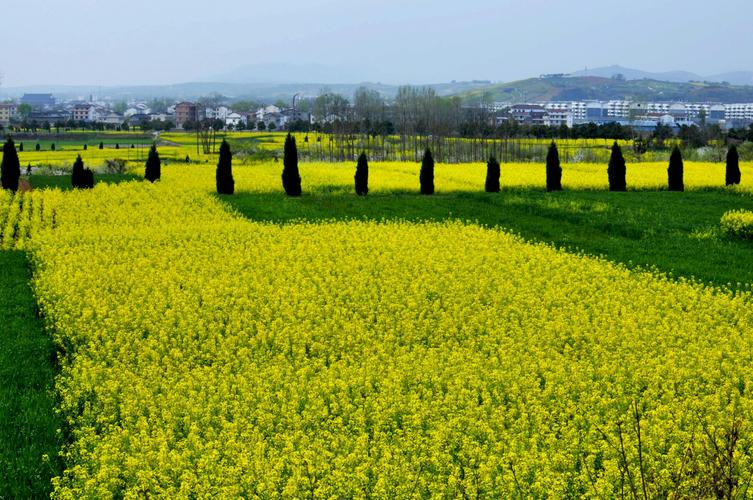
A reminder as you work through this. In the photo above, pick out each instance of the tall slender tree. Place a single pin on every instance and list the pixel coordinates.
(81, 177)
(153, 169)
(77, 175)
(733, 166)
(675, 172)
(427, 173)
(553, 169)
(224, 175)
(291, 178)
(617, 170)
(492, 176)
(362, 175)
(10, 168)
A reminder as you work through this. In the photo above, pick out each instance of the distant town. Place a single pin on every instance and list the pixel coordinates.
(44, 111)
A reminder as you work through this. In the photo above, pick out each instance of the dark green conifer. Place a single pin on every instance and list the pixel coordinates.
(553, 169)
(153, 168)
(362, 175)
(426, 177)
(733, 174)
(224, 175)
(675, 171)
(291, 178)
(492, 176)
(617, 170)
(10, 168)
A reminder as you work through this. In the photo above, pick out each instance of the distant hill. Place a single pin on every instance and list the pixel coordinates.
(734, 78)
(566, 88)
(265, 92)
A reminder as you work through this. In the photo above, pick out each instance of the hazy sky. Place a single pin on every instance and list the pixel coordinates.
(111, 42)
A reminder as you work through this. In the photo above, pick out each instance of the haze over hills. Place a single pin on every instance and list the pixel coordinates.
(734, 77)
(265, 92)
(272, 82)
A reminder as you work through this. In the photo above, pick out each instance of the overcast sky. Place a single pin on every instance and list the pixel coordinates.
(114, 42)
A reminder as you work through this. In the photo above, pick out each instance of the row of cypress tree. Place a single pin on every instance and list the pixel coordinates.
(10, 170)
(616, 171)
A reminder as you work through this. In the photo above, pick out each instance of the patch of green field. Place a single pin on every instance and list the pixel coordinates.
(28, 425)
(675, 233)
(64, 181)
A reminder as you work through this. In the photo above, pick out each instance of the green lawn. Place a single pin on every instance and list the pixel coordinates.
(28, 424)
(64, 181)
(676, 233)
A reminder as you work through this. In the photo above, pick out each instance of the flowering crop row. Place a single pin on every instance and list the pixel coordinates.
(389, 177)
(206, 355)
(738, 223)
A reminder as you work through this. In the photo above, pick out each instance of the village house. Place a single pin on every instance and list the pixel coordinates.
(7, 113)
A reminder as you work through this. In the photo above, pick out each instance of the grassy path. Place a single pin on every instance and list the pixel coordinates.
(28, 425)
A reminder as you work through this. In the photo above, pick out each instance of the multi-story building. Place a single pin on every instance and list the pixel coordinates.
(739, 114)
(185, 112)
(531, 114)
(7, 113)
(558, 118)
(84, 113)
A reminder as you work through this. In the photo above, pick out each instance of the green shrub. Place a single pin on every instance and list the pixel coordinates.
(738, 224)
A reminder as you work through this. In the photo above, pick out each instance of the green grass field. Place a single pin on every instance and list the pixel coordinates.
(675, 233)
(28, 423)
(64, 181)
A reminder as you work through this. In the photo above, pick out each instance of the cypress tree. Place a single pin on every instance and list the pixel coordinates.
(86, 147)
(117, 146)
(362, 175)
(291, 178)
(733, 166)
(617, 170)
(38, 147)
(675, 171)
(77, 176)
(427, 173)
(188, 159)
(52, 147)
(492, 176)
(101, 145)
(10, 168)
(21, 147)
(87, 179)
(553, 169)
(224, 176)
(152, 171)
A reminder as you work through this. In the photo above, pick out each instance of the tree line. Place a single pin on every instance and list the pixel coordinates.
(81, 177)
(616, 171)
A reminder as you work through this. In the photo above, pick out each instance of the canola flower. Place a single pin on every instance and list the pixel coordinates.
(738, 223)
(396, 177)
(205, 355)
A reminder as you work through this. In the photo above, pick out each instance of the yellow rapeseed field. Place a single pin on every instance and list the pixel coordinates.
(390, 177)
(208, 356)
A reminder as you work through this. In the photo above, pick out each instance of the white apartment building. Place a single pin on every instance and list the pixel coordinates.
(7, 112)
(739, 112)
(558, 117)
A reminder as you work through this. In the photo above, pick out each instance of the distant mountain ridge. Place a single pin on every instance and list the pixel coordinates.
(734, 77)
(267, 92)
(584, 88)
